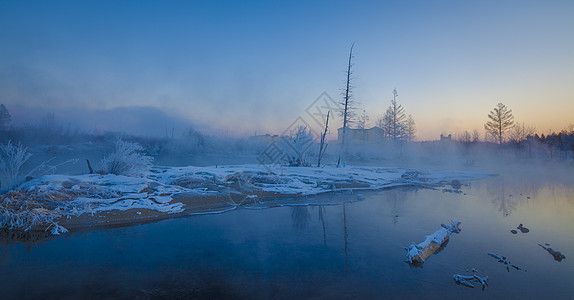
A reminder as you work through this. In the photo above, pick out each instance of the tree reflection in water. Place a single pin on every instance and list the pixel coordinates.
(300, 217)
(29, 238)
(322, 212)
(346, 236)
(506, 202)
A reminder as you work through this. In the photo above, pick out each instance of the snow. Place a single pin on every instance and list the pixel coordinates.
(95, 193)
(311, 180)
(109, 192)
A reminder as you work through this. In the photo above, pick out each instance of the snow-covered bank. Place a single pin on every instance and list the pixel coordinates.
(167, 191)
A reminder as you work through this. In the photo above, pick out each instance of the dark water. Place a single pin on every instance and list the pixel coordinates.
(352, 250)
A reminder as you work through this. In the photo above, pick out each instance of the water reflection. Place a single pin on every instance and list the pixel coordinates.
(346, 237)
(510, 191)
(282, 252)
(396, 198)
(28, 238)
(506, 203)
(300, 217)
(322, 212)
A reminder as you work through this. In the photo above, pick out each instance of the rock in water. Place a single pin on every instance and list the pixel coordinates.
(514, 231)
(522, 228)
(556, 254)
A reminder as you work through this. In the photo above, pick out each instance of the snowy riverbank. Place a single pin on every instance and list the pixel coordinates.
(61, 202)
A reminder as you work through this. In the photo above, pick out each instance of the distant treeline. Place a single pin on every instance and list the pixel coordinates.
(51, 135)
(553, 146)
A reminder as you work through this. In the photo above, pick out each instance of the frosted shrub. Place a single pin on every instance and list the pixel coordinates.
(126, 159)
(299, 147)
(12, 157)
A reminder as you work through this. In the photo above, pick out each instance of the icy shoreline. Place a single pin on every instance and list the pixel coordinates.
(71, 201)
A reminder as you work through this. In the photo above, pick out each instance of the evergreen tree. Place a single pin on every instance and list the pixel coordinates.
(394, 123)
(501, 121)
(363, 120)
(410, 128)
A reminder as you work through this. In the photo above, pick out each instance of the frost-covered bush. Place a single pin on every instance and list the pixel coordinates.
(12, 157)
(127, 159)
(298, 147)
(24, 210)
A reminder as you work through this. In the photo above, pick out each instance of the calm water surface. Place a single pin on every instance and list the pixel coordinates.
(353, 250)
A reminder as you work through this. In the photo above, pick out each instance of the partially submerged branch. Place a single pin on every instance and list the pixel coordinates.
(505, 261)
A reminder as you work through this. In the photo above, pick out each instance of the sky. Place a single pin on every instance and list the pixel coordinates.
(243, 67)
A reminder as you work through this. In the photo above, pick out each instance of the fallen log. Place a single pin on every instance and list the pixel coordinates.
(417, 253)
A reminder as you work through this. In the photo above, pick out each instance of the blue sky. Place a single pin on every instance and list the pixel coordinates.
(254, 66)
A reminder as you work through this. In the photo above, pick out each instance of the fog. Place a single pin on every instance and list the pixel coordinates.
(81, 134)
(136, 120)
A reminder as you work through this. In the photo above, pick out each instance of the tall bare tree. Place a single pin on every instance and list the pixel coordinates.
(500, 121)
(347, 102)
(347, 94)
(323, 145)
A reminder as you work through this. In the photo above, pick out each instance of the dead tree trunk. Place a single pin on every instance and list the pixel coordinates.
(346, 104)
(90, 166)
(323, 145)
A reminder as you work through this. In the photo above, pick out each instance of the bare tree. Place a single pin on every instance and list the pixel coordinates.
(347, 102)
(501, 120)
(475, 136)
(48, 123)
(464, 137)
(323, 145)
(301, 140)
(194, 136)
(347, 94)
(519, 133)
(5, 118)
(363, 119)
(362, 124)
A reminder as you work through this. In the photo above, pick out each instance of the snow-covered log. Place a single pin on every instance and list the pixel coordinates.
(417, 253)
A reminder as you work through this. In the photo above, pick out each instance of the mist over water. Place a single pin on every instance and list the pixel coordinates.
(173, 151)
(344, 251)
